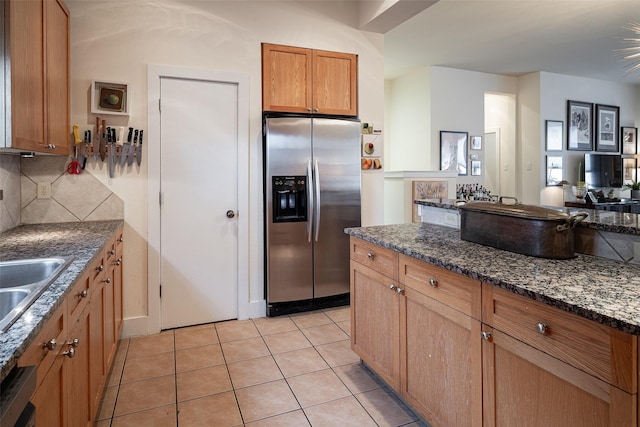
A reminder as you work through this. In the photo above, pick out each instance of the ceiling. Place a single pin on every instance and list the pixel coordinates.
(516, 37)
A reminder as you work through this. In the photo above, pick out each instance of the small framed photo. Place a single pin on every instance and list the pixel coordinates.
(476, 142)
(110, 98)
(554, 170)
(453, 151)
(553, 135)
(579, 126)
(629, 170)
(629, 140)
(476, 167)
(607, 128)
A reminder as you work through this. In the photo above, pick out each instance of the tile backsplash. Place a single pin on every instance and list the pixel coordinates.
(10, 186)
(72, 197)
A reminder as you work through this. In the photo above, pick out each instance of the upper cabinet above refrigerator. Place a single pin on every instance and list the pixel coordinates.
(300, 80)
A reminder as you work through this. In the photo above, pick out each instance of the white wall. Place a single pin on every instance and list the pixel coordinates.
(457, 104)
(408, 112)
(116, 40)
(500, 115)
(529, 163)
(554, 92)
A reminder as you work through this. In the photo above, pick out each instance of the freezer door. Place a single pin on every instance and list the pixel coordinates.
(289, 258)
(336, 158)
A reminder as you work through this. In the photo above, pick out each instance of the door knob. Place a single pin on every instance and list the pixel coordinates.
(230, 213)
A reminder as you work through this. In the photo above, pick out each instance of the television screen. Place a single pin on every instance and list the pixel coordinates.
(603, 170)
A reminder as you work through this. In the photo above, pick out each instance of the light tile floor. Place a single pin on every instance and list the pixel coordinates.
(295, 370)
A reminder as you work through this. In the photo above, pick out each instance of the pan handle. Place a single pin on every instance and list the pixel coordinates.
(572, 221)
(515, 199)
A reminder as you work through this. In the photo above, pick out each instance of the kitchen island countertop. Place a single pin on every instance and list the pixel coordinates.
(595, 288)
(80, 240)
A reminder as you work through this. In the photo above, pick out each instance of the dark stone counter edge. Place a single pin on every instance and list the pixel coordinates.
(570, 308)
(65, 281)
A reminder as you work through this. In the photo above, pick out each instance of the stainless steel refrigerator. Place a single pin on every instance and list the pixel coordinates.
(312, 192)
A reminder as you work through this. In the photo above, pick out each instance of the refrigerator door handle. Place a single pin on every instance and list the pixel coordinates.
(310, 206)
(316, 184)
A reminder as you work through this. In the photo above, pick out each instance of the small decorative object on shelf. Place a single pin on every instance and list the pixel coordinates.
(580, 191)
(634, 186)
(472, 192)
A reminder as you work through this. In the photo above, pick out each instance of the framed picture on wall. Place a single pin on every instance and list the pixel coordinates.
(475, 142)
(629, 140)
(554, 170)
(579, 126)
(453, 151)
(553, 135)
(476, 167)
(607, 128)
(110, 98)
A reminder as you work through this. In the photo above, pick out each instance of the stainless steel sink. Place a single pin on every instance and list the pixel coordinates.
(22, 282)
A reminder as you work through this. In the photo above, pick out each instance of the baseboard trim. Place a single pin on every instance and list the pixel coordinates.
(257, 309)
(135, 326)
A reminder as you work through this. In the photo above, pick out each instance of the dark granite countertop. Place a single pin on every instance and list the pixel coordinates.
(615, 222)
(81, 240)
(595, 288)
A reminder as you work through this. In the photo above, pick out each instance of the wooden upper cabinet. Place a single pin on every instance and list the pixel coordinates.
(299, 80)
(39, 52)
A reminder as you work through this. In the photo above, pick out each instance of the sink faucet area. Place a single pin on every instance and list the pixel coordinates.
(22, 282)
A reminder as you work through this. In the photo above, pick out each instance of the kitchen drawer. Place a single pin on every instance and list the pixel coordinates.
(382, 260)
(612, 355)
(78, 297)
(53, 335)
(454, 290)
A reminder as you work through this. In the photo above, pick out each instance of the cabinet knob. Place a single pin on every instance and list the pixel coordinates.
(315, 109)
(542, 328)
(50, 146)
(51, 345)
(486, 335)
(121, 239)
(71, 353)
(118, 262)
(100, 267)
(371, 255)
(433, 282)
(392, 287)
(74, 343)
(400, 291)
(107, 280)
(83, 293)
(112, 252)
(309, 109)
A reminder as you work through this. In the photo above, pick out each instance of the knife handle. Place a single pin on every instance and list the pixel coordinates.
(113, 136)
(108, 135)
(135, 137)
(140, 141)
(130, 136)
(120, 139)
(104, 128)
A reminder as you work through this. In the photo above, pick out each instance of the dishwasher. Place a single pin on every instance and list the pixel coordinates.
(15, 391)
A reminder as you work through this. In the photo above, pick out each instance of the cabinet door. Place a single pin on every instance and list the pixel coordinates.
(117, 286)
(375, 318)
(335, 83)
(57, 76)
(98, 368)
(110, 338)
(27, 47)
(441, 361)
(526, 387)
(49, 398)
(286, 79)
(78, 385)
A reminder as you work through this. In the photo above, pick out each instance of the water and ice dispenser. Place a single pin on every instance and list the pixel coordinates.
(289, 198)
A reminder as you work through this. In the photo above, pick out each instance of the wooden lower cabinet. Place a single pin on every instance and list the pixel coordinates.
(78, 351)
(97, 369)
(49, 398)
(527, 387)
(375, 322)
(462, 353)
(441, 368)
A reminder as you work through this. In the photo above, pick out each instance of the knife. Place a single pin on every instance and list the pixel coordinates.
(93, 145)
(139, 153)
(81, 158)
(111, 154)
(103, 141)
(126, 148)
(132, 149)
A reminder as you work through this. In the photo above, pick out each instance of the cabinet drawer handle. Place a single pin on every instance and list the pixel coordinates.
(542, 328)
(486, 335)
(371, 255)
(100, 267)
(51, 345)
(433, 282)
(83, 293)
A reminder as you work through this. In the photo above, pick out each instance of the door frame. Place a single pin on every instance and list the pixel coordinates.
(154, 74)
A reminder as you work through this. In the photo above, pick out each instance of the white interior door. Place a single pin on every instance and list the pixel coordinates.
(492, 162)
(198, 184)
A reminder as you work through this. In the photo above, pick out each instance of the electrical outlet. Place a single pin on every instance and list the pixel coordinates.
(44, 190)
